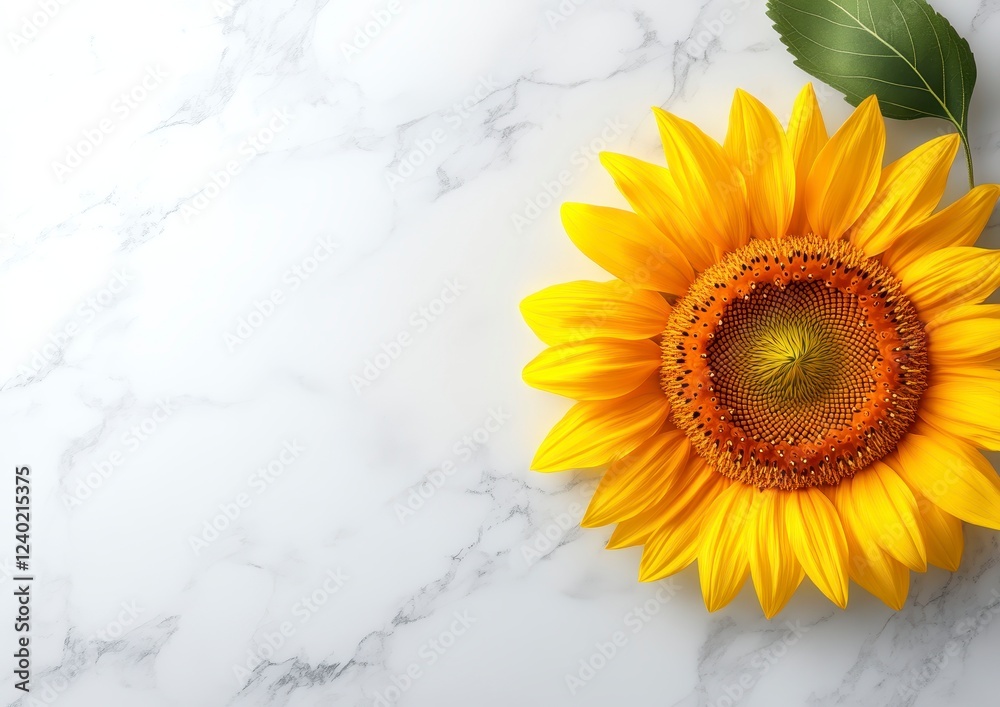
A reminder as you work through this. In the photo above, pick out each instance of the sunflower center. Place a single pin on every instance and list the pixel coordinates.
(794, 362)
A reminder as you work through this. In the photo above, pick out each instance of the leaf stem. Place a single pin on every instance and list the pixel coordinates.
(968, 160)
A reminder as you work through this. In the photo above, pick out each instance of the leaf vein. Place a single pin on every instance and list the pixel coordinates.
(913, 68)
(877, 79)
(841, 51)
(818, 17)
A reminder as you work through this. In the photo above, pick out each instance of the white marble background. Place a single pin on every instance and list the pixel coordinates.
(260, 273)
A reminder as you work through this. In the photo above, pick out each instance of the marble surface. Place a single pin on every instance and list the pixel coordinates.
(260, 271)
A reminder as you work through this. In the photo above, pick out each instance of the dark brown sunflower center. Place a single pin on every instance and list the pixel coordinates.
(794, 362)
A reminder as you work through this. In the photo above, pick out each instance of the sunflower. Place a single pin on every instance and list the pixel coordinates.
(793, 372)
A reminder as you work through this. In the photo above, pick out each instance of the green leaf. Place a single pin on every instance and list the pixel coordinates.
(901, 50)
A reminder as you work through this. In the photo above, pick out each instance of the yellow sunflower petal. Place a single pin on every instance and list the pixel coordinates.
(711, 187)
(595, 432)
(959, 224)
(878, 573)
(638, 480)
(580, 310)
(949, 277)
(869, 565)
(966, 405)
(650, 190)
(965, 336)
(757, 145)
(595, 369)
(628, 246)
(775, 570)
(689, 501)
(723, 558)
(806, 137)
(908, 191)
(943, 535)
(817, 538)
(845, 174)
(669, 549)
(885, 504)
(951, 474)
(673, 543)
